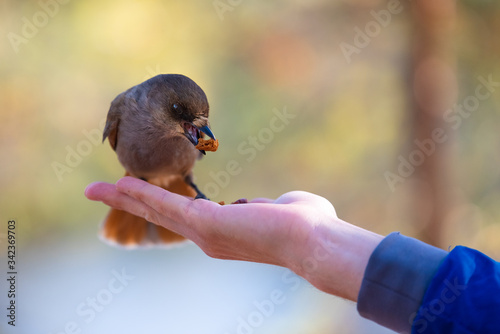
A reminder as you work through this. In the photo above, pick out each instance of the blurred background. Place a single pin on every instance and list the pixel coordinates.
(387, 108)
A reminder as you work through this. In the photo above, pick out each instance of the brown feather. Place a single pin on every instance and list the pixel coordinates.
(128, 230)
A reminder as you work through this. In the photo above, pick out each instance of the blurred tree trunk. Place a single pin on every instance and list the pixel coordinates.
(434, 88)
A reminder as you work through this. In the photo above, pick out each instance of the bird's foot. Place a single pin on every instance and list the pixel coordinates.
(201, 195)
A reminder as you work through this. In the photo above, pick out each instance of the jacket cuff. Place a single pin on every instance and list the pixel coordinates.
(395, 280)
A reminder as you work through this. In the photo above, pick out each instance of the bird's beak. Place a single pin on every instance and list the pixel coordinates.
(193, 133)
(206, 130)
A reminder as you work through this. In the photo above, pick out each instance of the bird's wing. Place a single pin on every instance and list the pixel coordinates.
(113, 120)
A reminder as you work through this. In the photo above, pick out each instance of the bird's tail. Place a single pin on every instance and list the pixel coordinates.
(124, 229)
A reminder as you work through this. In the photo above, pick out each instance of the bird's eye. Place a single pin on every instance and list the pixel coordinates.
(181, 112)
(177, 109)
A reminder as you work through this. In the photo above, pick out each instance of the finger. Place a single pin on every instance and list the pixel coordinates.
(261, 200)
(109, 195)
(164, 202)
(96, 190)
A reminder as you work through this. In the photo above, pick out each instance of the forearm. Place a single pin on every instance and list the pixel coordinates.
(335, 258)
(386, 276)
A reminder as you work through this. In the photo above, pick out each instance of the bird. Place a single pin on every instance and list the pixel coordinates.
(154, 127)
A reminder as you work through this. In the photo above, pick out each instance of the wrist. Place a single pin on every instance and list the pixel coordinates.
(335, 257)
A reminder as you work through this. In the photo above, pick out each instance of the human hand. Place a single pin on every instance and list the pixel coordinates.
(298, 230)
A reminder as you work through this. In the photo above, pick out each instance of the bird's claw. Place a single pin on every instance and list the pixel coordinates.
(200, 195)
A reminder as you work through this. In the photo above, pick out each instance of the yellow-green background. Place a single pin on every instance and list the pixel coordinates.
(350, 125)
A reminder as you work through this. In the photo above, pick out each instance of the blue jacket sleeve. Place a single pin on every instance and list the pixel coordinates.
(395, 280)
(463, 297)
(411, 286)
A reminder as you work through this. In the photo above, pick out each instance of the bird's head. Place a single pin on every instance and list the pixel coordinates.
(180, 105)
